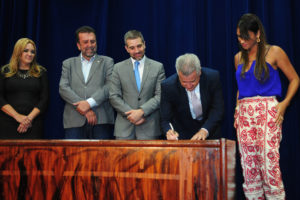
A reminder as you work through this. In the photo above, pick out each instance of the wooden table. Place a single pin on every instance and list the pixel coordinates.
(111, 169)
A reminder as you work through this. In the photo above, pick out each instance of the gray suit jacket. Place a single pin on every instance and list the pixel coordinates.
(124, 96)
(72, 88)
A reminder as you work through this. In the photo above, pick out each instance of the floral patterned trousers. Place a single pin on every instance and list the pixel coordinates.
(258, 139)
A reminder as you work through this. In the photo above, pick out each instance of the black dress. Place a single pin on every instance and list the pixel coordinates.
(23, 93)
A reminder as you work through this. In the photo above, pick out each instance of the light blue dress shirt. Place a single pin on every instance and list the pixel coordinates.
(86, 67)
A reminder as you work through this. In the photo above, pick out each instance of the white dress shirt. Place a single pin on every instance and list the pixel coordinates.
(197, 92)
(141, 66)
(86, 67)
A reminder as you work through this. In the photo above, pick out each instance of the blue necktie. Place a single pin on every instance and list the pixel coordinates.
(137, 75)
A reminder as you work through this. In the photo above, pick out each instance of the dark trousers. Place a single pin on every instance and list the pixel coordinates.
(99, 131)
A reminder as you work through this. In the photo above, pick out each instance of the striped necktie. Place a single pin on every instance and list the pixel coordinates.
(197, 107)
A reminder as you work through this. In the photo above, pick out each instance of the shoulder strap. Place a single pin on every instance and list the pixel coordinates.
(268, 48)
(239, 56)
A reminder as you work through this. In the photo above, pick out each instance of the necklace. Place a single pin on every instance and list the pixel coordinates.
(23, 75)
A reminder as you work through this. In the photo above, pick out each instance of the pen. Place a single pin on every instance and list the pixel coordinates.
(172, 128)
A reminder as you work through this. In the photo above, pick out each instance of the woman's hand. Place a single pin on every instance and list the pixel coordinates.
(281, 108)
(22, 128)
(23, 119)
(236, 113)
(25, 123)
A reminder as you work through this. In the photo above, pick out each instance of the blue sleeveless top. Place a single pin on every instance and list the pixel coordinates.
(249, 86)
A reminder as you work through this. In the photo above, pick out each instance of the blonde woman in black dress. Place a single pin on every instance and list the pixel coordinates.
(23, 94)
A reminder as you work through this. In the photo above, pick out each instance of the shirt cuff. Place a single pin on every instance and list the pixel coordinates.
(92, 102)
(206, 131)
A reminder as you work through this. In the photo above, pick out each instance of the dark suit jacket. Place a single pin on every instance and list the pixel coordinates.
(175, 108)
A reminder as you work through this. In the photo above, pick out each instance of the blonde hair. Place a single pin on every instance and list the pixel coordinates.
(13, 65)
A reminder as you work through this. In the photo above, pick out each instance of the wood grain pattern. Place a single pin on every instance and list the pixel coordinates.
(81, 169)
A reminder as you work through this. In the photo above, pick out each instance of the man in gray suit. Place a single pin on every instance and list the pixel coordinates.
(84, 87)
(135, 92)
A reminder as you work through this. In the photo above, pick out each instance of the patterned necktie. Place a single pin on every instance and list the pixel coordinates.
(197, 107)
(137, 75)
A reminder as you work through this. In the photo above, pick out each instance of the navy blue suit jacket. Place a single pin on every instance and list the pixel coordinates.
(174, 106)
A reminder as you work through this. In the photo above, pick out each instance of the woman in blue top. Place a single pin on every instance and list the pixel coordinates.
(259, 115)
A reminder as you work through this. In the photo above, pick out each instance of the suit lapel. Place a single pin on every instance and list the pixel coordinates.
(185, 98)
(130, 71)
(145, 72)
(94, 66)
(78, 68)
(203, 90)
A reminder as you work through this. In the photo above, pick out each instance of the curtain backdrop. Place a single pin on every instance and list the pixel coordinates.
(170, 28)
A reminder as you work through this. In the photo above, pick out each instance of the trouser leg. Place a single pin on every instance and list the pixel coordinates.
(258, 139)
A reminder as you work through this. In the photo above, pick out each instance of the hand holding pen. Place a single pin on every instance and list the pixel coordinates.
(172, 134)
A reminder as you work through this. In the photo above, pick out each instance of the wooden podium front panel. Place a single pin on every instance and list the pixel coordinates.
(81, 169)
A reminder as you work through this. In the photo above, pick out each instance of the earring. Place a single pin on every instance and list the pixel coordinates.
(258, 40)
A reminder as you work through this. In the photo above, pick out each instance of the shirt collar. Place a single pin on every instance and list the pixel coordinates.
(85, 60)
(196, 89)
(142, 61)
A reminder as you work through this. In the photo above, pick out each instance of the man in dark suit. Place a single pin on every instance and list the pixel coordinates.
(135, 92)
(192, 105)
(84, 87)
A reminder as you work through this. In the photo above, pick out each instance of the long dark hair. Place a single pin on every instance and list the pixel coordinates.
(250, 22)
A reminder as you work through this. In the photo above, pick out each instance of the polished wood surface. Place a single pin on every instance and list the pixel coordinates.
(96, 169)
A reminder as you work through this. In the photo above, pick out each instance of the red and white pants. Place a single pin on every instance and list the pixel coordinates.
(258, 139)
